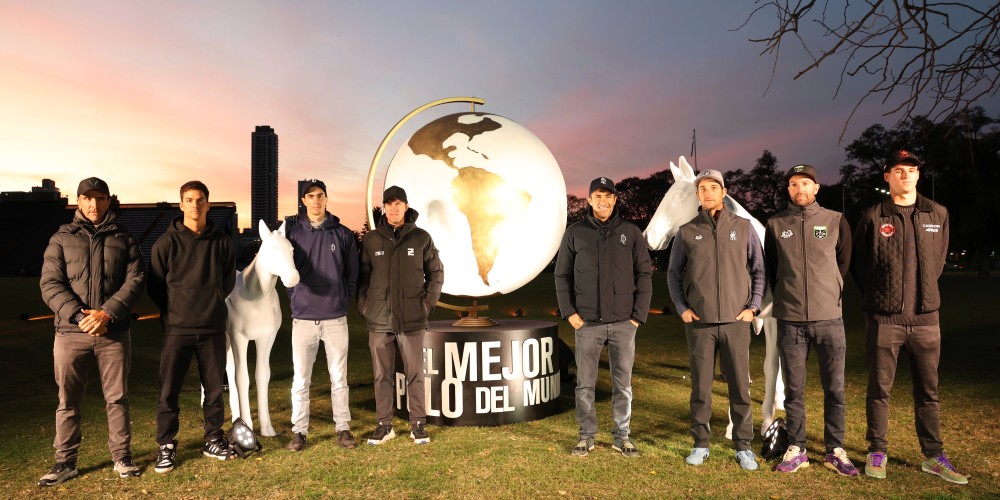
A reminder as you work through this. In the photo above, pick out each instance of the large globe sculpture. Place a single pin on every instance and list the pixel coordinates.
(490, 194)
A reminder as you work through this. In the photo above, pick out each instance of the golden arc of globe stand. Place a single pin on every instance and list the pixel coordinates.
(473, 319)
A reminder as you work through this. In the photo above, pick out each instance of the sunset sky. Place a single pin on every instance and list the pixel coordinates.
(148, 95)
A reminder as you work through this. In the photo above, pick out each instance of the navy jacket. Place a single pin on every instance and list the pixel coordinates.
(327, 260)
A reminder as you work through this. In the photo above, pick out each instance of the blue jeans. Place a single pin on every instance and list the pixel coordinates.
(590, 340)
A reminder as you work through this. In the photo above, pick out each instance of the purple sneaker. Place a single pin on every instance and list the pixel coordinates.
(794, 459)
(839, 463)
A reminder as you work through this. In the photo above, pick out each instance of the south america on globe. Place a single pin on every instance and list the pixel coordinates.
(491, 195)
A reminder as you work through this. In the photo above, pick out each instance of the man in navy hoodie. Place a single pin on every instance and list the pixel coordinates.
(326, 256)
(192, 271)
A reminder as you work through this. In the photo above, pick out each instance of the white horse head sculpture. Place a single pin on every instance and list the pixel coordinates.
(254, 314)
(680, 205)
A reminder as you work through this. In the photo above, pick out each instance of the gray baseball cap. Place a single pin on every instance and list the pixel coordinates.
(714, 175)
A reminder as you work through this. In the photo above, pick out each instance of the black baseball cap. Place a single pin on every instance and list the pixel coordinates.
(394, 193)
(803, 169)
(901, 156)
(92, 184)
(602, 183)
(313, 183)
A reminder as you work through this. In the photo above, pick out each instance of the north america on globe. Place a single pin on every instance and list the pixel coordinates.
(484, 197)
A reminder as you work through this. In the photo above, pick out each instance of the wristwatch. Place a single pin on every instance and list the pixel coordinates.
(756, 312)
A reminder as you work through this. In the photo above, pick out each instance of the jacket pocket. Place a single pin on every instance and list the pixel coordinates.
(413, 306)
(586, 306)
(375, 308)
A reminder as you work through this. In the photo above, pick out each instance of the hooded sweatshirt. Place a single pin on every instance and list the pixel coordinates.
(327, 260)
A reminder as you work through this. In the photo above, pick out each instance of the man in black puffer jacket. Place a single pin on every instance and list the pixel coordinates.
(401, 279)
(92, 275)
(193, 269)
(604, 281)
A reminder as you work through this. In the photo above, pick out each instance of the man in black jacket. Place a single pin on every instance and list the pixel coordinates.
(716, 280)
(192, 271)
(92, 275)
(400, 282)
(900, 247)
(603, 284)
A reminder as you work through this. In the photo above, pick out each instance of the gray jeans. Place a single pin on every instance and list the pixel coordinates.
(590, 341)
(306, 336)
(411, 349)
(733, 343)
(73, 356)
(795, 339)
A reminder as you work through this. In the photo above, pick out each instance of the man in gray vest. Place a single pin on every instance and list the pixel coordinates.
(807, 253)
(716, 280)
(900, 246)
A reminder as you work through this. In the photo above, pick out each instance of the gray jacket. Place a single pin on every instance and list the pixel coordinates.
(807, 253)
(716, 267)
(88, 267)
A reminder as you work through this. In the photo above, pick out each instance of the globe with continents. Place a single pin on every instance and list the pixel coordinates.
(490, 194)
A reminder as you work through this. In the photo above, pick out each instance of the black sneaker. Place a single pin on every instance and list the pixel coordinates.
(346, 439)
(165, 458)
(217, 449)
(419, 434)
(298, 442)
(125, 467)
(382, 434)
(60, 472)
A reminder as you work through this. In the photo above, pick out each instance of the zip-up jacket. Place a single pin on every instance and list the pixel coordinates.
(878, 255)
(190, 278)
(88, 267)
(603, 271)
(807, 254)
(716, 267)
(327, 260)
(401, 276)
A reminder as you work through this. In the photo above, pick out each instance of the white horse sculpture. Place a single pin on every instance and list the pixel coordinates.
(254, 314)
(680, 205)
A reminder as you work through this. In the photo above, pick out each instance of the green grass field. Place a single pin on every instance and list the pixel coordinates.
(515, 461)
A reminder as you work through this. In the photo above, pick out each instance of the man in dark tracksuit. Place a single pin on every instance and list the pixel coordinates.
(807, 253)
(603, 284)
(716, 280)
(192, 271)
(92, 275)
(326, 256)
(900, 246)
(401, 280)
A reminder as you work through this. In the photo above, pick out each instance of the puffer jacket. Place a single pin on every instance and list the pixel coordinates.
(603, 271)
(401, 276)
(88, 267)
(878, 255)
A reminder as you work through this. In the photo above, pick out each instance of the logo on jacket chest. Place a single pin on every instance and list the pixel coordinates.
(379, 253)
(819, 232)
(787, 233)
(409, 252)
(623, 238)
(887, 230)
(932, 228)
(732, 235)
(333, 247)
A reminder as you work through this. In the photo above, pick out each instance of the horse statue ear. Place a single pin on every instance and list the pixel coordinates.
(263, 230)
(281, 229)
(676, 172)
(686, 169)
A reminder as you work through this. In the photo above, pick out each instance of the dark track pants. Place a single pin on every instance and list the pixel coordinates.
(176, 352)
(411, 349)
(733, 342)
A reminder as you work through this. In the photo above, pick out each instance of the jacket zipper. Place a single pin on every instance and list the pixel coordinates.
(805, 266)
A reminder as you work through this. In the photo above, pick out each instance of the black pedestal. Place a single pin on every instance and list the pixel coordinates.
(488, 376)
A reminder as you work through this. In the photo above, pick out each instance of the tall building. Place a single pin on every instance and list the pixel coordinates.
(264, 176)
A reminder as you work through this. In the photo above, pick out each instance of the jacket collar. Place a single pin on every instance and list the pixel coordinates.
(888, 208)
(809, 209)
(611, 222)
(330, 221)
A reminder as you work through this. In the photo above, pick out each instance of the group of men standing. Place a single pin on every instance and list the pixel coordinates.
(717, 274)
(94, 274)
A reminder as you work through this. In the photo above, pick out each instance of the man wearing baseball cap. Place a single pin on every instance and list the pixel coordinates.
(401, 280)
(900, 246)
(716, 281)
(604, 281)
(93, 274)
(326, 256)
(807, 254)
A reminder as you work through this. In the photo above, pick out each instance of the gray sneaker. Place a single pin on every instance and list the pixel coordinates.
(747, 460)
(125, 467)
(697, 456)
(60, 472)
(583, 447)
(625, 447)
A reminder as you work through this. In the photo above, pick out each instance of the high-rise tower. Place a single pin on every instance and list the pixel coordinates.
(264, 176)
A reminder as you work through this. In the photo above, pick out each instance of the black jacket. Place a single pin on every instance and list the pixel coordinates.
(401, 276)
(86, 267)
(190, 278)
(603, 271)
(878, 255)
